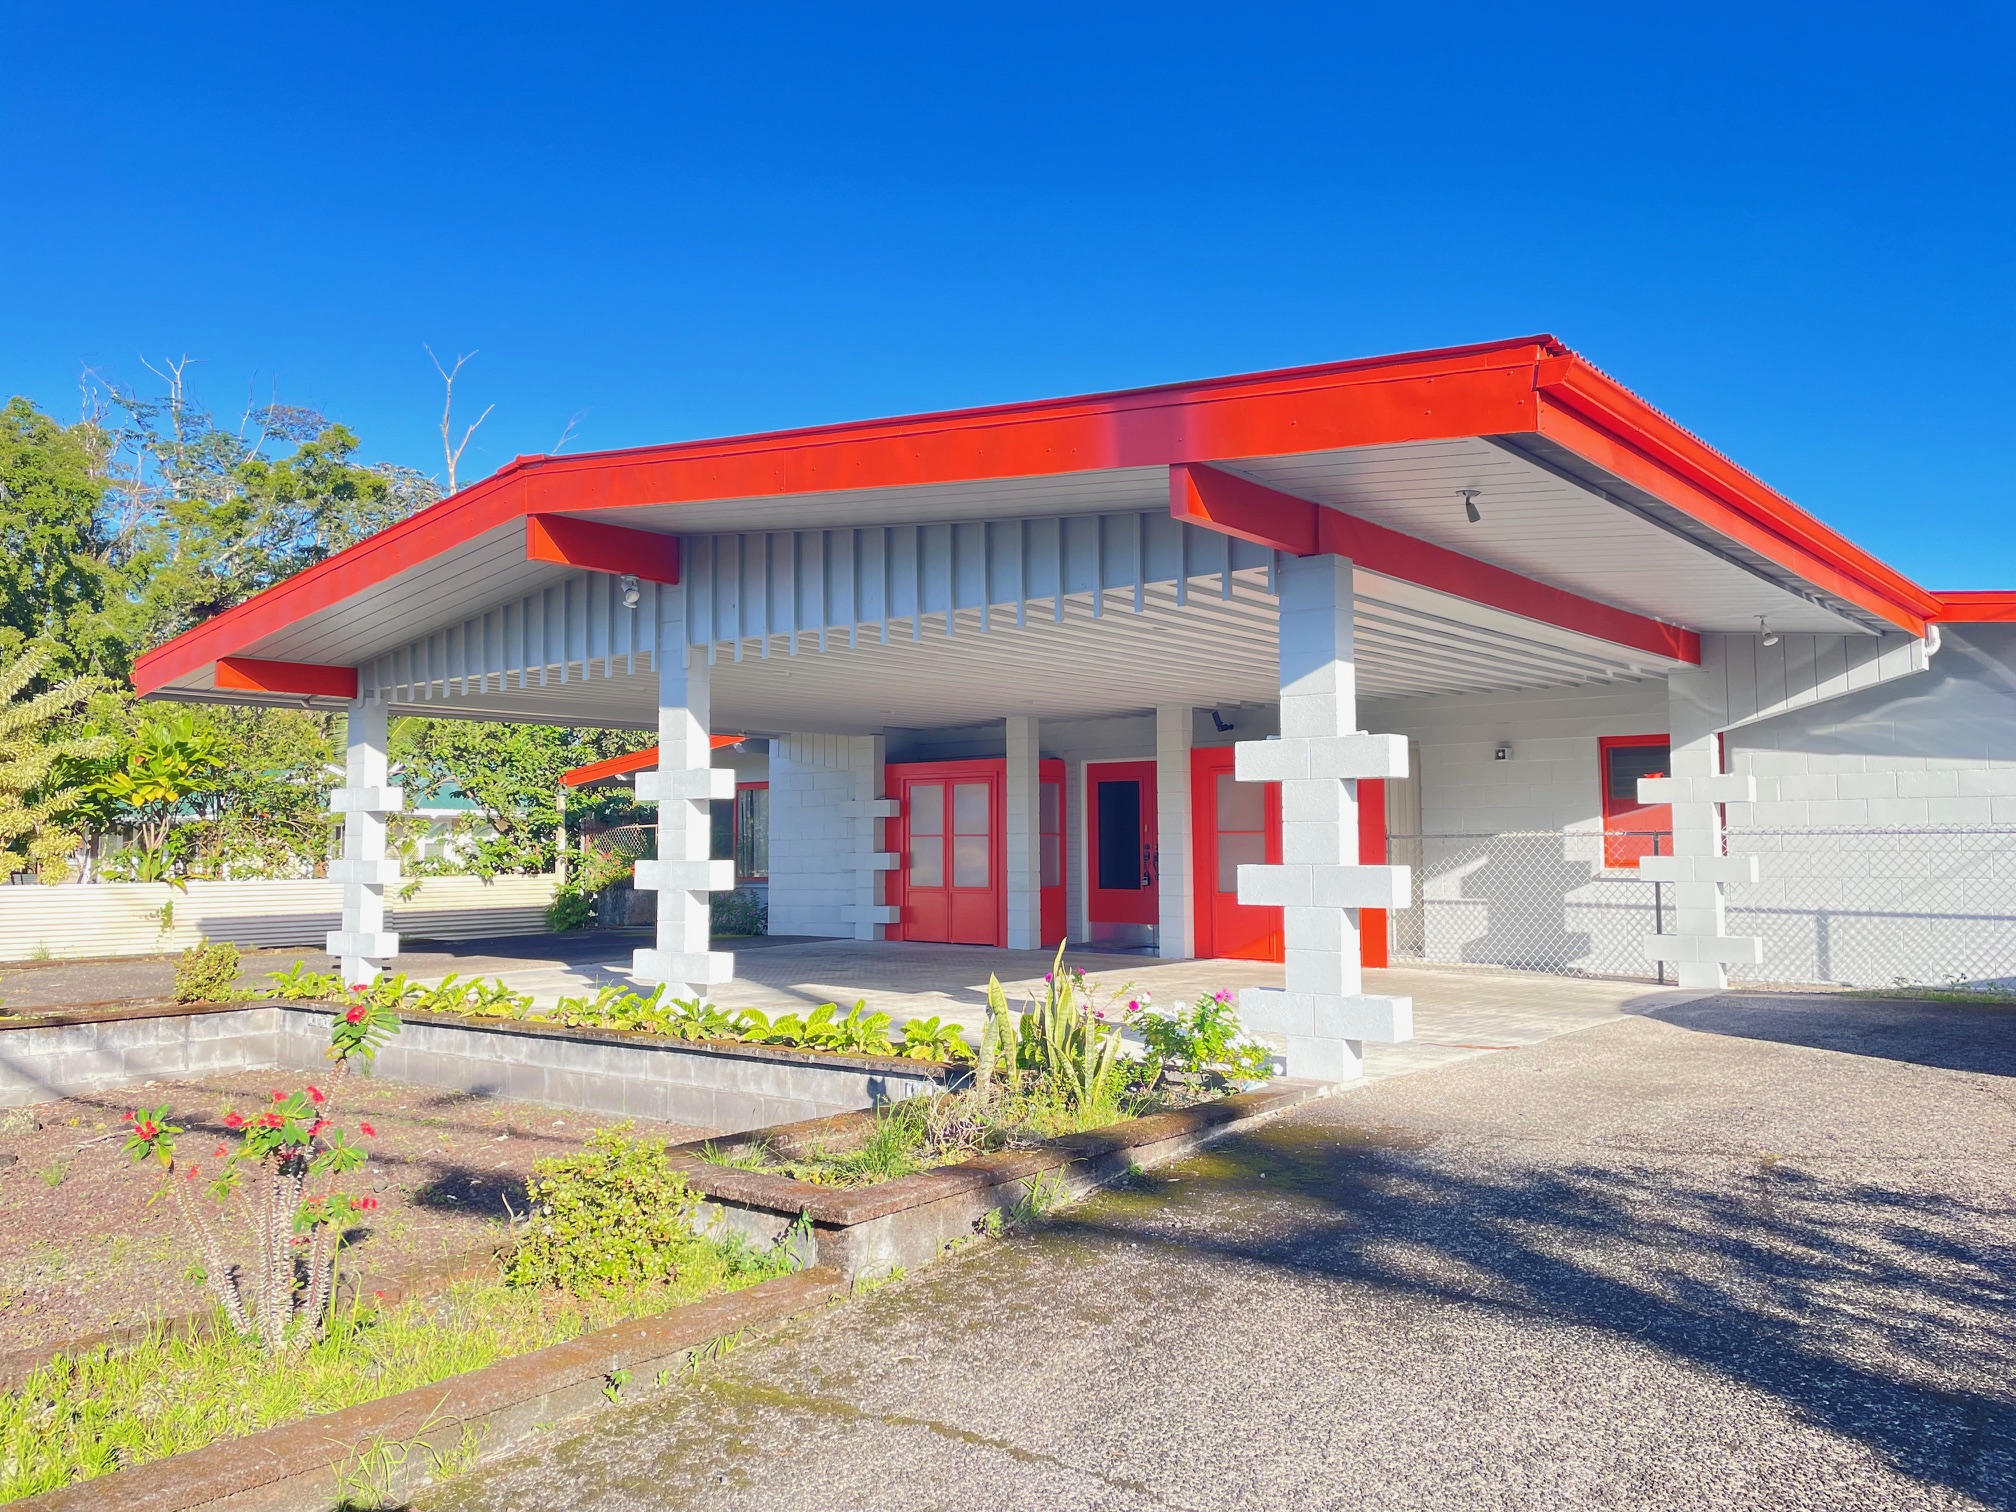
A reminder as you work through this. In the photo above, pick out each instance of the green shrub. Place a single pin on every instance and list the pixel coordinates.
(738, 913)
(570, 909)
(208, 973)
(298, 984)
(1204, 1041)
(614, 1215)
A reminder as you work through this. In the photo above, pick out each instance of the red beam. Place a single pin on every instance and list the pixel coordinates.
(248, 674)
(1996, 607)
(631, 761)
(1222, 501)
(602, 548)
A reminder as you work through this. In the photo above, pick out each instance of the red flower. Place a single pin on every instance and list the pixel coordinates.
(190, 1174)
(315, 1096)
(129, 1118)
(234, 1120)
(373, 1133)
(279, 1097)
(219, 1151)
(271, 1121)
(367, 1203)
(146, 1128)
(317, 1127)
(357, 1014)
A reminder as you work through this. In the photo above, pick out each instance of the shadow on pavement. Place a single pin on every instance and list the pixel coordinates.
(1853, 1303)
(1977, 1037)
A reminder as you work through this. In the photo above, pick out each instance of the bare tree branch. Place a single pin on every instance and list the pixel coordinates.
(451, 449)
(567, 434)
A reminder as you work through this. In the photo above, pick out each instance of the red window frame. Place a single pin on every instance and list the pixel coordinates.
(1649, 821)
(736, 831)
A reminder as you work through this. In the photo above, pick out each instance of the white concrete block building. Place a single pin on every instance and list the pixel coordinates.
(1466, 656)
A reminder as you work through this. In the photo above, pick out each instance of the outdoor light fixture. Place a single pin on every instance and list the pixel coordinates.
(1470, 504)
(631, 592)
(1770, 635)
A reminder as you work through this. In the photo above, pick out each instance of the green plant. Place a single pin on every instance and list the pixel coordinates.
(53, 1173)
(613, 1384)
(170, 762)
(739, 913)
(614, 1215)
(298, 984)
(927, 1039)
(998, 1040)
(1203, 1042)
(574, 901)
(859, 1032)
(35, 804)
(571, 909)
(208, 973)
(1069, 1044)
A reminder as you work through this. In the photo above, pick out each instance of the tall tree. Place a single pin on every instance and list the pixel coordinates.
(54, 576)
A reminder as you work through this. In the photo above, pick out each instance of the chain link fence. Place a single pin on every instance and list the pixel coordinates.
(1871, 907)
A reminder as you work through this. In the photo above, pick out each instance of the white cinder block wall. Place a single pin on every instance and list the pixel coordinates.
(813, 834)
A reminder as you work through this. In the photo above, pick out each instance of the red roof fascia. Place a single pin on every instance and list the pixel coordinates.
(633, 761)
(1599, 419)
(250, 674)
(1996, 607)
(1488, 389)
(1226, 502)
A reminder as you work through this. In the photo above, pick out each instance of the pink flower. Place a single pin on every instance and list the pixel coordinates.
(1134, 1005)
(1099, 1013)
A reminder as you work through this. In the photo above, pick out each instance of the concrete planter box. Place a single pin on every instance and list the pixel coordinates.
(601, 1071)
(870, 1231)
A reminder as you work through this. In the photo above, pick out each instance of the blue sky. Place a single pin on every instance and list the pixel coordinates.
(1791, 229)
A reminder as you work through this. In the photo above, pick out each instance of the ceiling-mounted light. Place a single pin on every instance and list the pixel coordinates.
(1470, 504)
(631, 592)
(1770, 635)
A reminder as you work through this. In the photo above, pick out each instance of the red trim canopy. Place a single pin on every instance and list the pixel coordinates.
(1531, 394)
(633, 761)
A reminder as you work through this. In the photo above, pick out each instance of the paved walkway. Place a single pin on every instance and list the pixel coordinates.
(1735, 1253)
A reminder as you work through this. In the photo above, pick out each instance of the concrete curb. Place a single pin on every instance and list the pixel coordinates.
(865, 1231)
(297, 1467)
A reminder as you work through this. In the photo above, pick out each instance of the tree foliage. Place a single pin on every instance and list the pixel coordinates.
(33, 798)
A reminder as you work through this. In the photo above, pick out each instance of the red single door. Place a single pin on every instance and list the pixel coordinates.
(1121, 898)
(1237, 824)
(1632, 829)
(951, 847)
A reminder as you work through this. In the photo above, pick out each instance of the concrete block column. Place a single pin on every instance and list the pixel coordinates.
(683, 786)
(1700, 948)
(1322, 1016)
(1023, 841)
(365, 801)
(1176, 926)
(867, 756)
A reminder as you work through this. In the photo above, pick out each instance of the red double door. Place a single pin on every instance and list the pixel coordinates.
(1235, 824)
(950, 838)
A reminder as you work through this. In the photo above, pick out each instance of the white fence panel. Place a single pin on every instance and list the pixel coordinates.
(128, 918)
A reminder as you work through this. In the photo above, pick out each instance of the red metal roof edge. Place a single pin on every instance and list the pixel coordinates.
(631, 761)
(1993, 606)
(505, 496)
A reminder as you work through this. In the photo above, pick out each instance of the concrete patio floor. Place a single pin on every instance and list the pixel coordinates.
(1740, 1252)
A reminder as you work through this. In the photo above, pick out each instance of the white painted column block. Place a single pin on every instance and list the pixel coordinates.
(1176, 924)
(869, 811)
(1323, 1014)
(1700, 947)
(682, 786)
(364, 801)
(1023, 841)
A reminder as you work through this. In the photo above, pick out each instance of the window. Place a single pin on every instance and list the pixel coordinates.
(740, 831)
(1632, 829)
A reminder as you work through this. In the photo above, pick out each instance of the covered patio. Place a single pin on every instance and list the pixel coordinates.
(1140, 669)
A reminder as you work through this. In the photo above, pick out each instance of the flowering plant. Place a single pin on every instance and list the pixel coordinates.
(1203, 1041)
(282, 1148)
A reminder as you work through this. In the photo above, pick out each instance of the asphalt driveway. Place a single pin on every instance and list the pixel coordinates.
(1747, 1252)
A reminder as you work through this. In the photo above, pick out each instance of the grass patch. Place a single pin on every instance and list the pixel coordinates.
(1938, 995)
(78, 1418)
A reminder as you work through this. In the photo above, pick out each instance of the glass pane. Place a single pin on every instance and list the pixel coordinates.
(1053, 861)
(927, 810)
(1235, 851)
(1241, 805)
(1627, 764)
(969, 860)
(927, 861)
(969, 808)
(721, 846)
(1051, 819)
(752, 832)
(1119, 839)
